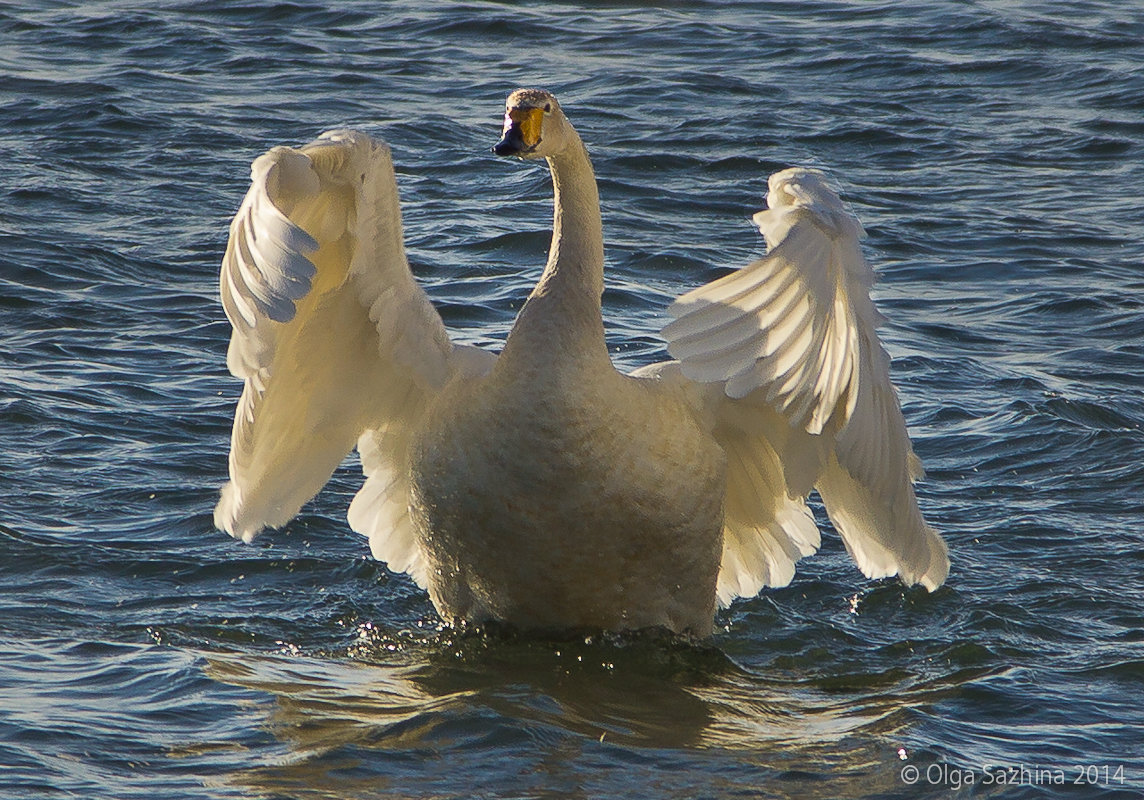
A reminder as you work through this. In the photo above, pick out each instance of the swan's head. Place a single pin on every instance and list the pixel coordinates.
(534, 126)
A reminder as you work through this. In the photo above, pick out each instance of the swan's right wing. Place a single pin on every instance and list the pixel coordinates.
(332, 336)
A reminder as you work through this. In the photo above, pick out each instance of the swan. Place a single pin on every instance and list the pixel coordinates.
(541, 487)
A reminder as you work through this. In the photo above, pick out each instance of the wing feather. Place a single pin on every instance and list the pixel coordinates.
(380, 510)
(332, 335)
(802, 396)
(767, 526)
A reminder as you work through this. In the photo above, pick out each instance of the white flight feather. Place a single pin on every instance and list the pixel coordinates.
(795, 332)
(331, 332)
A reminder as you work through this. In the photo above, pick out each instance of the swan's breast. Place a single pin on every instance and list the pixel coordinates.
(596, 505)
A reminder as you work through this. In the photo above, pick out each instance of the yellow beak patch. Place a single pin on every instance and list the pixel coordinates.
(528, 121)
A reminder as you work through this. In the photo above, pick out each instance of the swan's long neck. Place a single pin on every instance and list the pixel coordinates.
(563, 311)
(576, 257)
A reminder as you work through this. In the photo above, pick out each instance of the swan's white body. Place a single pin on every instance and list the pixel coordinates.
(542, 487)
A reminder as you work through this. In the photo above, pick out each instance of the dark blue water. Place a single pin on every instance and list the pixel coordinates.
(994, 151)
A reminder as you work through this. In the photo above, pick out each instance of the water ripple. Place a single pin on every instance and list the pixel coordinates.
(993, 151)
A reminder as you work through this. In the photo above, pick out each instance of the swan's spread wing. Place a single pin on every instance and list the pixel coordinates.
(806, 389)
(332, 335)
(784, 324)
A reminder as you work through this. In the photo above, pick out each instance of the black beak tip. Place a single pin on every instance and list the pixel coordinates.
(512, 144)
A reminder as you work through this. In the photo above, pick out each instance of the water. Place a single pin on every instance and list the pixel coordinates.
(994, 151)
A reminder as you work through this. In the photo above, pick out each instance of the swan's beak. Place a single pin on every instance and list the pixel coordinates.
(521, 132)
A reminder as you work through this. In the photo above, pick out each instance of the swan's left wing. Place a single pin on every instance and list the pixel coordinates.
(806, 399)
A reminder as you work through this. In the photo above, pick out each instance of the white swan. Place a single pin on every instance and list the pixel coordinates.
(542, 487)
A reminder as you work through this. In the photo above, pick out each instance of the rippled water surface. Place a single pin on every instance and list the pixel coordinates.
(994, 151)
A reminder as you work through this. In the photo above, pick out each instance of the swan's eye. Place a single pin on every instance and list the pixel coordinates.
(548, 108)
